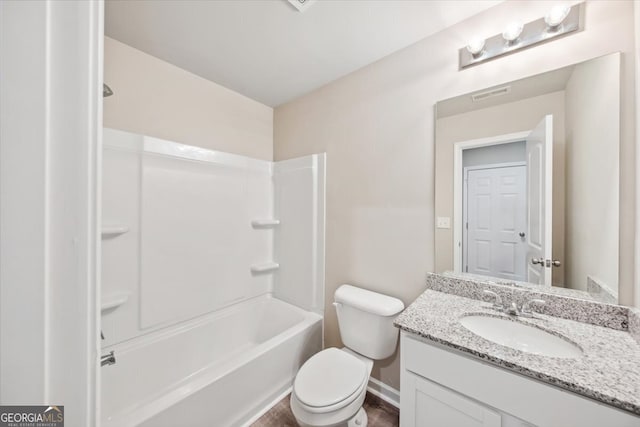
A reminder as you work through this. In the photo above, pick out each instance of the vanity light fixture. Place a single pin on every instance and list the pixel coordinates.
(556, 15)
(513, 31)
(561, 20)
(476, 46)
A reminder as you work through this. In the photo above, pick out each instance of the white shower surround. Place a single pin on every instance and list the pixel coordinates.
(189, 316)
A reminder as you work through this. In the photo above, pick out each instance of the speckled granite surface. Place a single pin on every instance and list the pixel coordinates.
(608, 371)
(572, 293)
(557, 305)
(634, 323)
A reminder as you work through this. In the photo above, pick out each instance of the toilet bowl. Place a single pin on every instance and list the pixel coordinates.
(331, 386)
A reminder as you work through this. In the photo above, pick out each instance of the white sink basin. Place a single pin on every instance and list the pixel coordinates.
(520, 336)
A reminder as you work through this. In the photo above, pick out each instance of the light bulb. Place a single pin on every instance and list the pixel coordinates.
(513, 31)
(556, 15)
(475, 46)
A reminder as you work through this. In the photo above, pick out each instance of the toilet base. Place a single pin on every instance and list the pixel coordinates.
(360, 419)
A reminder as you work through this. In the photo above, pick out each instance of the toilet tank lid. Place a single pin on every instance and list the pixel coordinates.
(371, 302)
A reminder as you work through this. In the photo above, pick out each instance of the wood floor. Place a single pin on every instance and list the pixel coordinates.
(379, 412)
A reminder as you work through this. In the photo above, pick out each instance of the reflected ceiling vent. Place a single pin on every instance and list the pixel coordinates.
(301, 5)
(499, 91)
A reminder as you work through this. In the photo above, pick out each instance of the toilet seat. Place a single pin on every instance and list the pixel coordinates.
(330, 380)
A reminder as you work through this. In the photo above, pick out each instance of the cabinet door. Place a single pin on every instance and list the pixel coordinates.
(427, 404)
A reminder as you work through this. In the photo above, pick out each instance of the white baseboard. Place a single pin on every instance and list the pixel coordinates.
(267, 407)
(384, 392)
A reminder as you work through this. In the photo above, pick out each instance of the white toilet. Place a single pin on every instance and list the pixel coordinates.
(330, 387)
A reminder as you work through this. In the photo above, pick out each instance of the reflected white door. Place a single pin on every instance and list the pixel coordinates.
(496, 222)
(539, 208)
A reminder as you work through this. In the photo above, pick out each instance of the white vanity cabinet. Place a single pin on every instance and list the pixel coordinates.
(441, 387)
(426, 403)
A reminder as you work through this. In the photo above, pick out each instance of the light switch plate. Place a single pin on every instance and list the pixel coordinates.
(443, 222)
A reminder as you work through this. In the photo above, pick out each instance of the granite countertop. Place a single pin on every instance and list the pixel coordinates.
(573, 293)
(608, 370)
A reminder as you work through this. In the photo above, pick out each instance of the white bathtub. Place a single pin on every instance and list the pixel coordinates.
(216, 371)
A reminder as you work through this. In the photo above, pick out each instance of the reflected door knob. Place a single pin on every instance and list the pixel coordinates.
(535, 261)
(556, 263)
(521, 234)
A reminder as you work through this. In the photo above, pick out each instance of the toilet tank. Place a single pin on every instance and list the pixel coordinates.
(366, 320)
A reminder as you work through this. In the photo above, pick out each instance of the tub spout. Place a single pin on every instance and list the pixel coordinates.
(108, 359)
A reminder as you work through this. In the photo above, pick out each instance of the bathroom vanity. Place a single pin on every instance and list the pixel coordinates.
(523, 327)
(466, 363)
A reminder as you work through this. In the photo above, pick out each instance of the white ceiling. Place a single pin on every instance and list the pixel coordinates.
(269, 51)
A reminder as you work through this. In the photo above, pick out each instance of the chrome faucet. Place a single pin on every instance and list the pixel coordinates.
(512, 308)
(526, 310)
(497, 303)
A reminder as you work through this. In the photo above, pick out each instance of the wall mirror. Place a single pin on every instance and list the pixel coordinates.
(527, 181)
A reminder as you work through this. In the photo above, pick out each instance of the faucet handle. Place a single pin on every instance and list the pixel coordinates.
(526, 307)
(497, 301)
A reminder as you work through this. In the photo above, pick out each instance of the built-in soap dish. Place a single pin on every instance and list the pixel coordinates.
(113, 300)
(266, 267)
(265, 223)
(114, 230)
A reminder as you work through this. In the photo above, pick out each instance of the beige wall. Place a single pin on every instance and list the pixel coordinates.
(503, 119)
(155, 98)
(592, 113)
(377, 127)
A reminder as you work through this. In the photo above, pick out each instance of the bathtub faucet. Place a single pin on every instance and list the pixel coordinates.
(108, 359)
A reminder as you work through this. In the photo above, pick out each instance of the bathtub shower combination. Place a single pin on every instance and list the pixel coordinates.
(212, 281)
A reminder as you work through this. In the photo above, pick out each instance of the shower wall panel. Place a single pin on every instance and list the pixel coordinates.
(299, 242)
(196, 236)
(177, 236)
